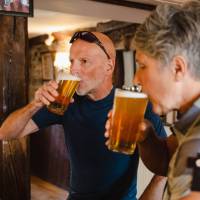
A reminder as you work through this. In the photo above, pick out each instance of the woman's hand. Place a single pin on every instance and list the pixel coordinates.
(107, 126)
(144, 128)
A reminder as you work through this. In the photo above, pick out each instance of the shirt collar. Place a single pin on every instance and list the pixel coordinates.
(186, 120)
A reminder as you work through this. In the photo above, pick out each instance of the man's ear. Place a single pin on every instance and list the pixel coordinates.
(179, 67)
(110, 66)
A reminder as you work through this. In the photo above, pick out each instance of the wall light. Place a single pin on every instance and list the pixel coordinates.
(62, 60)
(49, 40)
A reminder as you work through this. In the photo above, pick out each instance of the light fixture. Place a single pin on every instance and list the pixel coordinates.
(62, 60)
(49, 40)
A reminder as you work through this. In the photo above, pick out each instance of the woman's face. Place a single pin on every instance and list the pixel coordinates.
(157, 81)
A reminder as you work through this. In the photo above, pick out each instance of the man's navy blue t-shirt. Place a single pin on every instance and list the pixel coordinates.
(96, 172)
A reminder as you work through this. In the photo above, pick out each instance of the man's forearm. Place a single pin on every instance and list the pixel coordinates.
(14, 125)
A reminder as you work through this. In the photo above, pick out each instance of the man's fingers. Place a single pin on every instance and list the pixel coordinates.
(50, 88)
(47, 93)
(44, 100)
(53, 84)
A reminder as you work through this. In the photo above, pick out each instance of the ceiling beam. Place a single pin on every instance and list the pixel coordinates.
(94, 9)
(130, 4)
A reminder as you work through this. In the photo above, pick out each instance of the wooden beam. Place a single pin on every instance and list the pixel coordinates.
(14, 155)
(129, 4)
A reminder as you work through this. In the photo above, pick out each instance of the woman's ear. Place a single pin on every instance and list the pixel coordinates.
(179, 67)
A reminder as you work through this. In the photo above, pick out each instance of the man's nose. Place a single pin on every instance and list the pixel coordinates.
(74, 69)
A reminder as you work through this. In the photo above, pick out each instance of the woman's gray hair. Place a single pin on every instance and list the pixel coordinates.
(172, 30)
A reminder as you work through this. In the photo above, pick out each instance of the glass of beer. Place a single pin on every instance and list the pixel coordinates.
(67, 84)
(128, 111)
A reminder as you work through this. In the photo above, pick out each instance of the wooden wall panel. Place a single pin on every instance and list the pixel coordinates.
(49, 158)
(14, 155)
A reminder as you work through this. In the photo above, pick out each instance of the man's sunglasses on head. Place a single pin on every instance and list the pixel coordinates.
(89, 37)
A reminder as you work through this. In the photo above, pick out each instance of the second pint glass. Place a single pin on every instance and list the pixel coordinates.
(128, 111)
(67, 85)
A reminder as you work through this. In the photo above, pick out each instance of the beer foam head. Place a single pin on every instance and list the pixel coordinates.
(129, 94)
(67, 76)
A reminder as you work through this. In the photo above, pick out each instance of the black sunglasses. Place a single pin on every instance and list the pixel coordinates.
(89, 37)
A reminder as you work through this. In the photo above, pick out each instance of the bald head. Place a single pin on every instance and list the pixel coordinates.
(102, 40)
(107, 43)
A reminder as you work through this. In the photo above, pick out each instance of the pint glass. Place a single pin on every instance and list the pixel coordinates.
(128, 112)
(67, 85)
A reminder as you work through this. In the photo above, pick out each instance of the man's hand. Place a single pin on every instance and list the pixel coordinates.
(46, 94)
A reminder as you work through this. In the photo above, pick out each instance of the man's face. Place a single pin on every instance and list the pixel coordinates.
(158, 82)
(88, 62)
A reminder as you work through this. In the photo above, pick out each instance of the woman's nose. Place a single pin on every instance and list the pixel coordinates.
(136, 79)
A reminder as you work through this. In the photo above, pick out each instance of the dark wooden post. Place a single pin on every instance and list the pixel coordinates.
(14, 155)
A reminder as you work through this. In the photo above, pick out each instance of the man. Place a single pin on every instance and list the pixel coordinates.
(96, 172)
(168, 57)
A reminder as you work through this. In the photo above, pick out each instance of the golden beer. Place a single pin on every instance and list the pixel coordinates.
(66, 88)
(128, 111)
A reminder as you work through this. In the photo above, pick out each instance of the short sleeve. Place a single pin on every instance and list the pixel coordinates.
(44, 118)
(155, 120)
(188, 149)
(180, 185)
